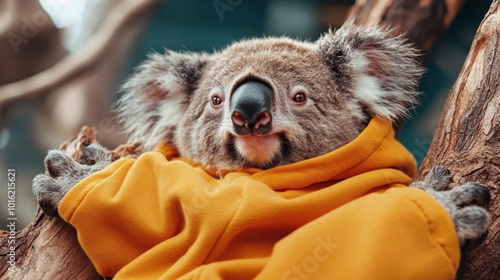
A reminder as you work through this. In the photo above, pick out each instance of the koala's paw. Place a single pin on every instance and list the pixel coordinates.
(466, 205)
(63, 172)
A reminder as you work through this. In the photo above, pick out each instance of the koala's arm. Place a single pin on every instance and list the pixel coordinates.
(466, 205)
(128, 184)
(63, 172)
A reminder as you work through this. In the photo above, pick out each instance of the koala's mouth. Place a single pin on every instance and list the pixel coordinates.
(259, 150)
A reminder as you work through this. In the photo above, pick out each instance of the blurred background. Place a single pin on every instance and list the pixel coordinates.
(62, 61)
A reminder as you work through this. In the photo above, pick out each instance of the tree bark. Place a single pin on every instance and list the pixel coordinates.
(467, 140)
(48, 249)
(421, 21)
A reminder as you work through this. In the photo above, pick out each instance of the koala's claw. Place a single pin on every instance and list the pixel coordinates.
(48, 208)
(439, 178)
(63, 172)
(471, 194)
(93, 154)
(465, 204)
(46, 191)
(56, 163)
(472, 224)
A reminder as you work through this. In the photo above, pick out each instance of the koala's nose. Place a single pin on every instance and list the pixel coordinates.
(251, 105)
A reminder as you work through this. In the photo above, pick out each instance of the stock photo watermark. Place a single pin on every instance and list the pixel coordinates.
(422, 146)
(32, 25)
(322, 251)
(223, 6)
(11, 219)
(28, 30)
(201, 199)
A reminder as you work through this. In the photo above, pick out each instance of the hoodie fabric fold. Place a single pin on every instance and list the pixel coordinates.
(345, 215)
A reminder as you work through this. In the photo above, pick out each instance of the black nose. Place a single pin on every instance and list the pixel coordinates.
(251, 104)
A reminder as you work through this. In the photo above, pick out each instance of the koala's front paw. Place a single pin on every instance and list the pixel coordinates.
(465, 204)
(63, 172)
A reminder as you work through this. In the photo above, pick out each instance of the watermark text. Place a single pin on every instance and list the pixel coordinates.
(11, 219)
(223, 6)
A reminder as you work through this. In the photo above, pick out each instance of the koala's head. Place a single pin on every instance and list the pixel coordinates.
(268, 102)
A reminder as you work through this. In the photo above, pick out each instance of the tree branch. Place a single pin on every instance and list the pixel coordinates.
(467, 140)
(82, 60)
(421, 21)
(47, 247)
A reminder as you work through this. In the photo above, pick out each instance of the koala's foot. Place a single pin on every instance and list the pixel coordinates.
(62, 172)
(466, 205)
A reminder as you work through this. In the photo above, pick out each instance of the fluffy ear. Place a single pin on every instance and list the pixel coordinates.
(379, 71)
(157, 95)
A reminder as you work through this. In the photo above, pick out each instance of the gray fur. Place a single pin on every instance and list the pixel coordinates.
(348, 76)
(464, 203)
(63, 172)
(156, 96)
(380, 71)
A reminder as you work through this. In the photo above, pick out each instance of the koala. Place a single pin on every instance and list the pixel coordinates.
(268, 102)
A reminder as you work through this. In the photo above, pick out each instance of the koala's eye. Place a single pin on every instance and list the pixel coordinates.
(216, 101)
(299, 97)
(216, 97)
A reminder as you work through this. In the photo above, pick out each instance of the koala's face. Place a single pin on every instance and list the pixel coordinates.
(263, 103)
(268, 102)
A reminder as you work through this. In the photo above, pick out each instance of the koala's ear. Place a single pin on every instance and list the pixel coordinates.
(379, 71)
(156, 96)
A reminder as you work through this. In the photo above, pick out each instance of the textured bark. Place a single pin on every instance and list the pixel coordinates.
(46, 249)
(421, 21)
(467, 140)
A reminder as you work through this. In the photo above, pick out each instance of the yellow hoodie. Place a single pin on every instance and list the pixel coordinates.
(344, 215)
